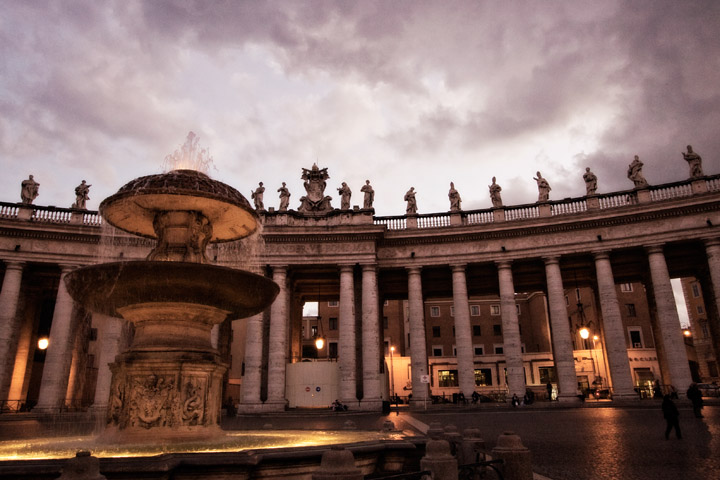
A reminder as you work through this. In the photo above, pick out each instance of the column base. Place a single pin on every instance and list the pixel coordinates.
(370, 405)
(267, 407)
(569, 399)
(419, 403)
(625, 397)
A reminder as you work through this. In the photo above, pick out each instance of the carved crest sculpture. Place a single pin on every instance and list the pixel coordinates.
(315, 181)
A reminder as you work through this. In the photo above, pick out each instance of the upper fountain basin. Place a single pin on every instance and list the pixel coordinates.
(108, 287)
(134, 207)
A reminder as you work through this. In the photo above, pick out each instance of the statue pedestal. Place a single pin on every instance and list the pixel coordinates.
(25, 212)
(545, 210)
(699, 185)
(412, 221)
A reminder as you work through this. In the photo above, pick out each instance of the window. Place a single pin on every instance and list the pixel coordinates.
(497, 330)
(452, 311)
(630, 308)
(635, 337)
(434, 311)
(700, 310)
(494, 309)
(385, 322)
(705, 334)
(333, 349)
(498, 349)
(483, 377)
(453, 330)
(454, 350)
(437, 350)
(332, 323)
(478, 350)
(447, 378)
(313, 331)
(436, 331)
(517, 308)
(476, 330)
(93, 334)
(547, 374)
(695, 290)
(713, 369)
(333, 303)
(626, 287)
(475, 310)
(385, 303)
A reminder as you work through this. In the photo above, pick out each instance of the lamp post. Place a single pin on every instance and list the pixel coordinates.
(392, 372)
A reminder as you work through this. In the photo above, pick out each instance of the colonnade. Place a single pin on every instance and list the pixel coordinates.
(54, 384)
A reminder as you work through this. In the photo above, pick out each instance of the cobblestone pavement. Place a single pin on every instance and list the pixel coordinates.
(601, 443)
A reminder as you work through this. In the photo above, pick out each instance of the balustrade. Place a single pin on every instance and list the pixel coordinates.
(479, 217)
(667, 192)
(569, 206)
(522, 212)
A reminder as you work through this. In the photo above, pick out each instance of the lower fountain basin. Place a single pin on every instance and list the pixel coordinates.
(110, 287)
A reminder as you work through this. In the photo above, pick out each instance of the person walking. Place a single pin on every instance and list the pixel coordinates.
(672, 417)
(695, 396)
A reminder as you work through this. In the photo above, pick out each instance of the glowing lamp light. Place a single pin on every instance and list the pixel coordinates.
(43, 343)
(687, 332)
(319, 343)
(584, 333)
(595, 337)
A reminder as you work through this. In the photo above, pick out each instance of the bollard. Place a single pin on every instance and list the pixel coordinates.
(516, 457)
(435, 431)
(471, 447)
(451, 434)
(439, 461)
(388, 426)
(337, 463)
(83, 467)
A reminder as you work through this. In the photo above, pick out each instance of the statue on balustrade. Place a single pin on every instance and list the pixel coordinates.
(543, 188)
(345, 194)
(315, 181)
(284, 198)
(29, 190)
(369, 195)
(455, 199)
(694, 162)
(411, 202)
(495, 197)
(82, 192)
(590, 182)
(635, 174)
(257, 196)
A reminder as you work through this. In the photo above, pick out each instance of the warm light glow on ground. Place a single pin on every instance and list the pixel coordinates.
(66, 447)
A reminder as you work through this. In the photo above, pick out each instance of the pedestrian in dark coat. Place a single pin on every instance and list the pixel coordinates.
(672, 417)
(695, 396)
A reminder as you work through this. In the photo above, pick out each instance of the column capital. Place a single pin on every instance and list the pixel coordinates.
(414, 269)
(504, 264)
(279, 268)
(551, 260)
(64, 268)
(458, 267)
(368, 266)
(346, 267)
(14, 264)
(711, 242)
(601, 255)
(655, 248)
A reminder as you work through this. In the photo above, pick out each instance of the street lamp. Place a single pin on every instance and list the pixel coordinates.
(43, 343)
(319, 339)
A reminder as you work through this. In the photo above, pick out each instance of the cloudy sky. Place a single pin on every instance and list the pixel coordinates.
(404, 93)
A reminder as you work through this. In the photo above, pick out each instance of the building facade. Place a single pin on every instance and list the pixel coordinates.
(486, 298)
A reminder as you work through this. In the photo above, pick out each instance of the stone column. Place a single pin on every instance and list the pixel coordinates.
(59, 352)
(108, 345)
(371, 338)
(562, 341)
(418, 344)
(668, 321)
(712, 250)
(512, 344)
(347, 388)
(615, 342)
(277, 352)
(463, 332)
(9, 297)
(252, 379)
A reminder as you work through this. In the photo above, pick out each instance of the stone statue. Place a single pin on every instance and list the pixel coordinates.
(495, 197)
(543, 188)
(257, 196)
(694, 162)
(411, 202)
(345, 194)
(634, 173)
(455, 199)
(590, 182)
(29, 190)
(369, 195)
(81, 196)
(284, 198)
(315, 181)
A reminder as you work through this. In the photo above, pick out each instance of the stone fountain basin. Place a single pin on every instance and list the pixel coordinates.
(110, 287)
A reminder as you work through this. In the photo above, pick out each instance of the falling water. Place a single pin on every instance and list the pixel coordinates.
(189, 156)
